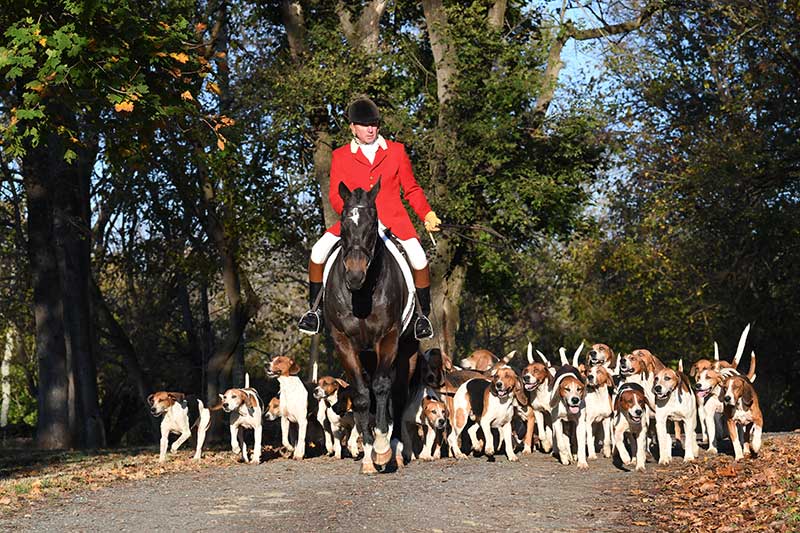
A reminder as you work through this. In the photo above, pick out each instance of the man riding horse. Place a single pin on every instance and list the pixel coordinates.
(360, 164)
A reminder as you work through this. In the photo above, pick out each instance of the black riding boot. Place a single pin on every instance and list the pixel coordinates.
(423, 329)
(311, 321)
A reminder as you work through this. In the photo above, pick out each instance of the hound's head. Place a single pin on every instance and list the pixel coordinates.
(161, 401)
(666, 380)
(571, 392)
(273, 409)
(598, 376)
(534, 375)
(699, 366)
(479, 360)
(632, 363)
(506, 382)
(601, 354)
(434, 365)
(435, 412)
(736, 389)
(235, 398)
(705, 381)
(327, 386)
(631, 402)
(282, 366)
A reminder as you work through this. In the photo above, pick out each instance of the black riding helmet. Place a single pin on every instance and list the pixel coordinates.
(363, 111)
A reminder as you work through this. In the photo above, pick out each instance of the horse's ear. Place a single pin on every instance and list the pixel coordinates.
(373, 192)
(344, 192)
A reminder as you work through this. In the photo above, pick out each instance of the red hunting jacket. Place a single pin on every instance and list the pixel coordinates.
(394, 168)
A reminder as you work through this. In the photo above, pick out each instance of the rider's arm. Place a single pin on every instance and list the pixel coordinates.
(412, 192)
(333, 192)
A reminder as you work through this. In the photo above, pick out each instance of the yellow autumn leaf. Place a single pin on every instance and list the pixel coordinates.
(43, 41)
(214, 88)
(126, 106)
(220, 54)
(220, 143)
(200, 27)
(179, 57)
(186, 95)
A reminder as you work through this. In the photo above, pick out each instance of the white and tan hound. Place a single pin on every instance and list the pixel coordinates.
(742, 409)
(491, 404)
(630, 418)
(601, 354)
(339, 417)
(293, 402)
(537, 381)
(480, 360)
(567, 410)
(181, 414)
(246, 412)
(674, 400)
(599, 385)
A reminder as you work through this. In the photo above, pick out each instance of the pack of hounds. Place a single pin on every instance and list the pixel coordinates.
(617, 404)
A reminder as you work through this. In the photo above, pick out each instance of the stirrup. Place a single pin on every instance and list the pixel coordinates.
(423, 329)
(311, 322)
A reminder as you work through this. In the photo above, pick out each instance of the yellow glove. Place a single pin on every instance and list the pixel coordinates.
(432, 222)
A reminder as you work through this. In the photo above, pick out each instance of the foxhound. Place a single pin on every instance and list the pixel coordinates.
(246, 412)
(742, 409)
(293, 402)
(674, 400)
(181, 414)
(599, 385)
(537, 381)
(567, 406)
(491, 404)
(631, 418)
(340, 417)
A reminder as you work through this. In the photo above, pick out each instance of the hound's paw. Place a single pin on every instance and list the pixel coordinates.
(526, 450)
(663, 461)
(592, 456)
(583, 466)
(606, 452)
(298, 456)
(513, 458)
(713, 450)
(489, 450)
(425, 457)
(237, 451)
(196, 458)
(640, 468)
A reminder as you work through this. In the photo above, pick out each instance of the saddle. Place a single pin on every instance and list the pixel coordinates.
(399, 256)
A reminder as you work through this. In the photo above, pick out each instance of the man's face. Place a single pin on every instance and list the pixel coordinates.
(366, 134)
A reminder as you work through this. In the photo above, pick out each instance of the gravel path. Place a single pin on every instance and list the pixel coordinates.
(322, 494)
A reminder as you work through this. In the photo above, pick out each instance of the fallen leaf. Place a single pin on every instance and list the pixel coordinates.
(126, 106)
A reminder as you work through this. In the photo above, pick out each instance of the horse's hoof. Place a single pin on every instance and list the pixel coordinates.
(368, 468)
(382, 459)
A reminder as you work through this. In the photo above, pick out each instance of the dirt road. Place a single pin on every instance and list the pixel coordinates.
(322, 494)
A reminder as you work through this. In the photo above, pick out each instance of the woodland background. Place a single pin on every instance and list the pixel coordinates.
(164, 170)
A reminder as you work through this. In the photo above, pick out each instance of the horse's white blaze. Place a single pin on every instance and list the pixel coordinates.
(354, 215)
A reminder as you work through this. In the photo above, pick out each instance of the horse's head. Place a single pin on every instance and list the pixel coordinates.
(359, 232)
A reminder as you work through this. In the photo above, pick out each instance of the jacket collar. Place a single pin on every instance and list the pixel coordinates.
(380, 140)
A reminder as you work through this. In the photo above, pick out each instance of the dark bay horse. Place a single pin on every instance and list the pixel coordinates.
(363, 304)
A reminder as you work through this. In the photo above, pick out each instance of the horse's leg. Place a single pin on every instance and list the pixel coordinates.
(360, 397)
(386, 351)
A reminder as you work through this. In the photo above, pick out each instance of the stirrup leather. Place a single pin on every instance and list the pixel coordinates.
(423, 329)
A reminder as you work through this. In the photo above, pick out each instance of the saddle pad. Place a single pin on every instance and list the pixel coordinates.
(408, 312)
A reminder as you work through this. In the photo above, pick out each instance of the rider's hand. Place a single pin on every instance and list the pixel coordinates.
(432, 222)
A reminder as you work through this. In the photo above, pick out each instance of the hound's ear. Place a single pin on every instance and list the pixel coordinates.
(294, 369)
(582, 369)
(221, 397)
(616, 403)
(747, 395)
(176, 396)
(344, 192)
(649, 404)
(520, 394)
(342, 383)
(150, 400)
(693, 371)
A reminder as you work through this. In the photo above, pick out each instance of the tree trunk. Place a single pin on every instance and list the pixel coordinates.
(72, 230)
(52, 429)
(5, 382)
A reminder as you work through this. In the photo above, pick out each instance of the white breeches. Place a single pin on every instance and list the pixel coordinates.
(412, 246)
